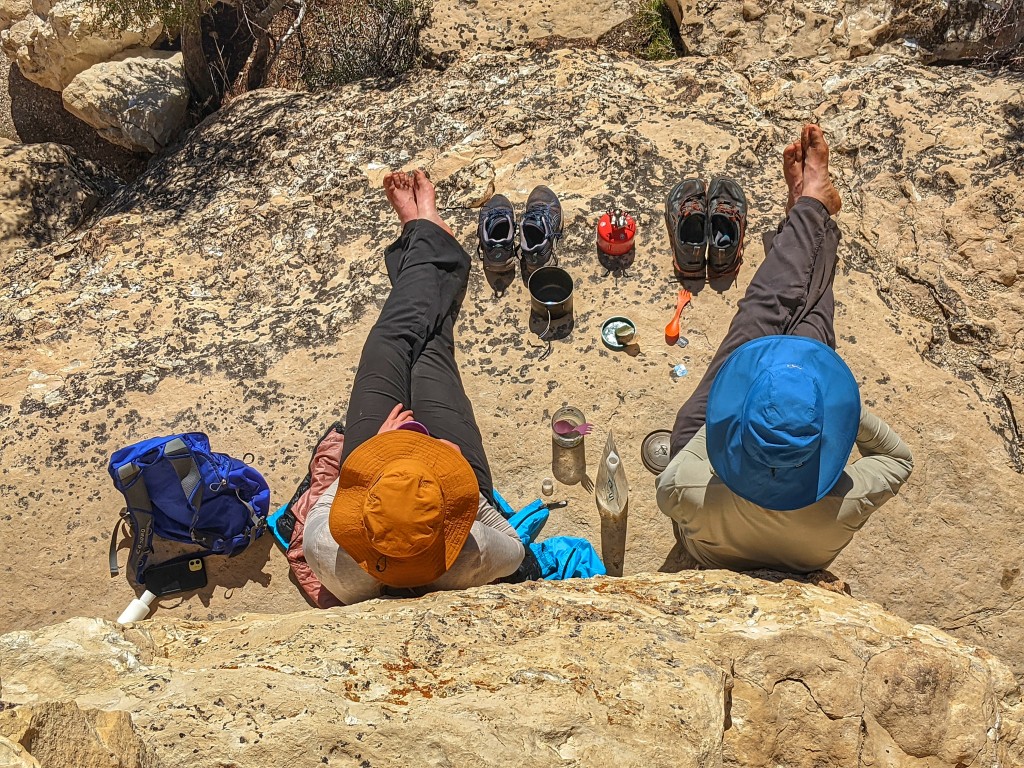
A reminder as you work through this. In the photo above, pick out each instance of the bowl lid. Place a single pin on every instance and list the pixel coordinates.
(655, 450)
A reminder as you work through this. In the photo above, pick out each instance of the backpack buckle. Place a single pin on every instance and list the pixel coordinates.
(209, 539)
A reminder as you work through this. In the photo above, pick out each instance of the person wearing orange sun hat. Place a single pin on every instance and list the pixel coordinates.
(413, 508)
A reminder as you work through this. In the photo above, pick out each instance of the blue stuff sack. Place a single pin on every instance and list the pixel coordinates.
(176, 487)
(558, 557)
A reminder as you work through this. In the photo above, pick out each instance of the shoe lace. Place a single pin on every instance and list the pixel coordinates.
(690, 206)
(491, 217)
(542, 219)
(723, 208)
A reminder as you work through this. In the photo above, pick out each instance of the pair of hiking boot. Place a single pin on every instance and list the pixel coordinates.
(540, 226)
(706, 225)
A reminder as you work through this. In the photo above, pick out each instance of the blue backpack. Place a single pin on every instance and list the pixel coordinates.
(177, 488)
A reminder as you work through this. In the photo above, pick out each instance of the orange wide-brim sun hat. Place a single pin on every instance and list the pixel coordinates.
(404, 507)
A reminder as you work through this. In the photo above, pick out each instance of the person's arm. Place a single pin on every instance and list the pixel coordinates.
(492, 518)
(329, 562)
(689, 470)
(886, 464)
(492, 551)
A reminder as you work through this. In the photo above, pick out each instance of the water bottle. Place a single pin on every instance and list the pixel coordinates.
(138, 608)
(612, 495)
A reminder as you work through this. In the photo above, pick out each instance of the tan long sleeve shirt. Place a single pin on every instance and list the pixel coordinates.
(723, 530)
(492, 551)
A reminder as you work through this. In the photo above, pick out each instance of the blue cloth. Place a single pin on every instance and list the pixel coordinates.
(566, 557)
(530, 521)
(272, 520)
(502, 505)
(559, 557)
(782, 416)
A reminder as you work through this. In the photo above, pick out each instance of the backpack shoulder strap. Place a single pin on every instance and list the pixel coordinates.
(138, 517)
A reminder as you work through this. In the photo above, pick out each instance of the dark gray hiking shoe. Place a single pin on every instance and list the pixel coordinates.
(686, 219)
(497, 234)
(727, 224)
(540, 227)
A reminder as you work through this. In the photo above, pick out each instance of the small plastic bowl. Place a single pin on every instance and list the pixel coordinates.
(611, 331)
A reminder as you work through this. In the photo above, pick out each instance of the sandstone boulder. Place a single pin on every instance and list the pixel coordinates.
(710, 669)
(60, 733)
(137, 100)
(12, 11)
(57, 42)
(46, 190)
(13, 755)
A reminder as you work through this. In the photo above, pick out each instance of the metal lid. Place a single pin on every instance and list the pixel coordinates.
(655, 449)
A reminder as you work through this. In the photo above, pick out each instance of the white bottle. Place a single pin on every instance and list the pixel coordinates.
(138, 608)
(612, 494)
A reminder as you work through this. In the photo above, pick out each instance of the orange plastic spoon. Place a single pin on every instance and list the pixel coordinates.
(672, 329)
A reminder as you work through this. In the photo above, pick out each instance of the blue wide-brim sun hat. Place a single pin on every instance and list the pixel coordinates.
(782, 417)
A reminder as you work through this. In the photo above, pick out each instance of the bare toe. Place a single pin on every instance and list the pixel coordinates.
(817, 182)
(816, 144)
(793, 171)
(792, 162)
(426, 200)
(426, 197)
(399, 190)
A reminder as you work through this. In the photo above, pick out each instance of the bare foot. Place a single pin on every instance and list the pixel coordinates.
(816, 182)
(426, 200)
(793, 170)
(399, 189)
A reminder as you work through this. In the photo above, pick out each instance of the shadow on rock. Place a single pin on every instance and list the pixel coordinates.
(221, 572)
(38, 116)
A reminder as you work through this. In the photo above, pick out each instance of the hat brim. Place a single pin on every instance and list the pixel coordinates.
(460, 493)
(782, 489)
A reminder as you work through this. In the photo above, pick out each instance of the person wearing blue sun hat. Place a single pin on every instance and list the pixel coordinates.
(759, 475)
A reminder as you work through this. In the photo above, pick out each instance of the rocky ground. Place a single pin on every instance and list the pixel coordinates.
(31, 114)
(711, 669)
(230, 288)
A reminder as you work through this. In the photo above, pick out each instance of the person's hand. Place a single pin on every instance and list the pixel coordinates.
(395, 419)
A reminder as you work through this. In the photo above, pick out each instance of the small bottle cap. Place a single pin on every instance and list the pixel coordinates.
(547, 486)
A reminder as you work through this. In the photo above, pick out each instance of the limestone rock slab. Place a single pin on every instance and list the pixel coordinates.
(762, 34)
(137, 100)
(231, 287)
(57, 42)
(467, 25)
(708, 669)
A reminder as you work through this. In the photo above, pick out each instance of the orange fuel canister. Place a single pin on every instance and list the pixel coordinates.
(616, 231)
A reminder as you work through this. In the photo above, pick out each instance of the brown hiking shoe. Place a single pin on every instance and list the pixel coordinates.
(686, 219)
(727, 224)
